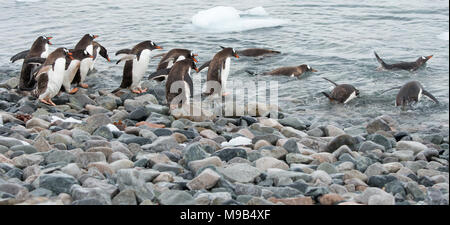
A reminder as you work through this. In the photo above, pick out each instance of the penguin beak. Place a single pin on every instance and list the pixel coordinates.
(69, 53)
(71, 57)
(236, 55)
(108, 59)
(313, 70)
(196, 69)
(158, 47)
(91, 56)
(429, 57)
(48, 40)
(195, 60)
(95, 36)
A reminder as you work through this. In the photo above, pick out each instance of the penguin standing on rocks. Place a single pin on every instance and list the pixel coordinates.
(136, 63)
(292, 71)
(257, 52)
(219, 69)
(411, 66)
(85, 43)
(342, 93)
(72, 66)
(50, 76)
(168, 60)
(40, 48)
(180, 71)
(411, 92)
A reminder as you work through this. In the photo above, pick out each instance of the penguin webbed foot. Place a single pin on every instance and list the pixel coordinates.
(73, 91)
(84, 85)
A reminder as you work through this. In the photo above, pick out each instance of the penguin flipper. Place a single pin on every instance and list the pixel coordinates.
(251, 73)
(206, 64)
(429, 95)
(188, 80)
(383, 64)
(35, 60)
(159, 73)
(20, 55)
(126, 58)
(330, 81)
(42, 70)
(124, 51)
(42, 81)
(159, 55)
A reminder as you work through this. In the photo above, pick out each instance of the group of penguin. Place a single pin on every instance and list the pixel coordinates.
(46, 74)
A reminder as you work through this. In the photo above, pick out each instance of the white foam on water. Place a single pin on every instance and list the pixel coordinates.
(222, 19)
(112, 127)
(28, 0)
(443, 36)
(238, 141)
(69, 120)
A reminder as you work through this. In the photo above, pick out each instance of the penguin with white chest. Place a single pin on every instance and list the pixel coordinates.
(50, 76)
(342, 93)
(180, 71)
(72, 66)
(136, 63)
(218, 71)
(40, 48)
(85, 43)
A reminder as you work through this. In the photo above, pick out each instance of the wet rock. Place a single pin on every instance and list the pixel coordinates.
(291, 146)
(205, 180)
(414, 146)
(9, 142)
(293, 122)
(194, 152)
(27, 149)
(265, 163)
(96, 121)
(378, 124)
(227, 154)
(340, 141)
(36, 122)
(381, 140)
(332, 131)
(27, 160)
(57, 183)
(164, 143)
(369, 146)
(241, 172)
(105, 132)
(175, 197)
(210, 161)
(85, 158)
(413, 189)
(125, 197)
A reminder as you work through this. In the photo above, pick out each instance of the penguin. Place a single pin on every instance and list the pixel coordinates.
(40, 48)
(411, 92)
(292, 71)
(342, 93)
(85, 43)
(166, 63)
(72, 66)
(136, 63)
(50, 76)
(99, 50)
(411, 66)
(180, 71)
(256, 52)
(219, 69)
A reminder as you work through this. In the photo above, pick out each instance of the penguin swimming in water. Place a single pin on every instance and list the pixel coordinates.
(50, 75)
(136, 63)
(411, 66)
(180, 71)
(40, 48)
(292, 71)
(342, 93)
(256, 52)
(72, 66)
(411, 92)
(168, 60)
(219, 69)
(85, 43)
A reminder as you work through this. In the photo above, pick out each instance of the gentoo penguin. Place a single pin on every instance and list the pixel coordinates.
(166, 63)
(411, 92)
(411, 66)
(136, 63)
(50, 76)
(219, 69)
(180, 71)
(292, 71)
(342, 93)
(72, 65)
(99, 50)
(38, 49)
(85, 43)
(256, 52)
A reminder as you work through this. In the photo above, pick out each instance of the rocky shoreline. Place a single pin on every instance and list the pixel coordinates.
(98, 148)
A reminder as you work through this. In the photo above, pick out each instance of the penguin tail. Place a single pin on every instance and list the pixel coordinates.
(383, 64)
(390, 89)
(276, 52)
(327, 95)
(116, 90)
(251, 73)
(429, 95)
(330, 81)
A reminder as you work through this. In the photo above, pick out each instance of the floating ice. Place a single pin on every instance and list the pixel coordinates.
(222, 19)
(112, 127)
(238, 141)
(443, 36)
(69, 120)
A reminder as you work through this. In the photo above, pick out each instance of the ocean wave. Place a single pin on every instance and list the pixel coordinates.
(223, 19)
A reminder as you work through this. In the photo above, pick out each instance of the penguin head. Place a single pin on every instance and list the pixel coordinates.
(46, 39)
(192, 56)
(232, 52)
(152, 45)
(104, 53)
(194, 65)
(66, 52)
(307, 68)
(423, 59)
(80, 54)
(92, 36)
